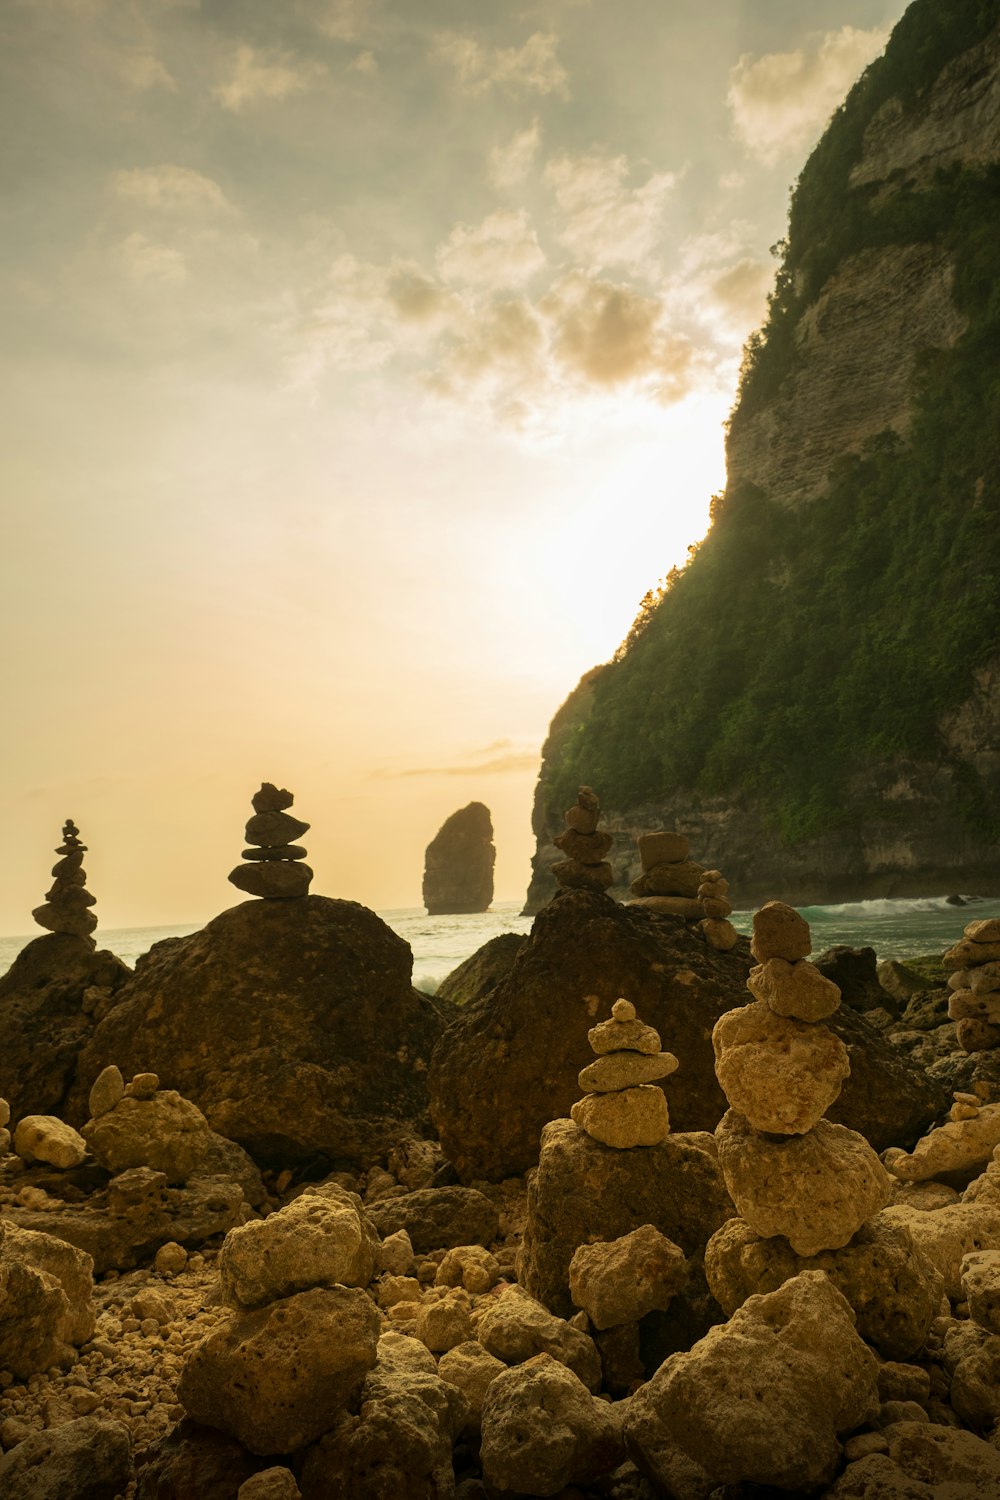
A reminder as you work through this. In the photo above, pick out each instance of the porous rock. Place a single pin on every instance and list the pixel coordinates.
(761, 1399)
(948, 1234)
(46, 1301)
(542, 1430)
(516, 1326)
(626, 1118)
(782, 1074)
(165, 1132)
(86, 1459)
(924, 1461)
(779, 931)
(270, 1484)
(321, 1238)
(980, 1276)
(471, 1369)
(619, 1281)
(527, 1038)
(291, 1025)
(893, 1288)
(49, 1139)
(438, 1218)
(798, 989)
(584, 1191)
(277, 1378)
(195, 1461)
(956, 1146)
(815, 1189)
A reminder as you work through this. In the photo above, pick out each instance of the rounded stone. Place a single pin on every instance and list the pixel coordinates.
(816, 1189)
(779, 932)
(630, 1117)
(143, 1086)
(623, 1036)
(276, 851)
(720, 935)
(271, 798)
(781, 1074)
(582, 819)
(271, 828)
(977, 1036)
(576, 876)
(273, 879)
(107, 1091)
(46, 1138)
(794, 989)
(623, 1070)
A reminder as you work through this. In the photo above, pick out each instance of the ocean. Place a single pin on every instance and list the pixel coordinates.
(895, 929)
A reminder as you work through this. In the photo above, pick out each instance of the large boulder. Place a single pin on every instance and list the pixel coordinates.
(50, 999)
(438, 1218)
(763, 1399)
(542, 1430)
(583, 1191)
(458, 865)
(482, 971)
(508, 1063)
(322, 1238)
(88, 1459)
(291, 1024)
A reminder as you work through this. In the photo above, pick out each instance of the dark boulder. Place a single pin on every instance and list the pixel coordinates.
(291, 1024)
(855, 972)
(438, 1218)
(458, 865)
(482, 971)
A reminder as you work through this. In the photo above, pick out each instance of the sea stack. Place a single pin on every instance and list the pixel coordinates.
(458, 864)
(974, 1002)
(275, 870)
(67, 904)
(623, 1107)
(584, 868)
(789, 1171)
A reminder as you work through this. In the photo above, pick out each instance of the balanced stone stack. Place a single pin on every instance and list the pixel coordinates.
(676, 885)
(67, 904)
(974, 1003)
(789, 1171)
(584, 868)
(275, 869)
(623, 1107)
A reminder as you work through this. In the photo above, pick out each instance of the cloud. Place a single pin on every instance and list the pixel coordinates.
(605, 222)
(608, 335)
(510, 164)
(169, 187)
(417, 297)
(143, 259)
(141, 69)
(502, 251)
(343, 20)
(255, 75)
(500, 765)
(366, 63)
(533, 68)
(344, 329)
(739, 291)
(781, 101)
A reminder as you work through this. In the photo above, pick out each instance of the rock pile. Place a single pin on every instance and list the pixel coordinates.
(623, 1107)
(67, 904)
(789, 1171)
(276, 870)
(584, 868)
(974, 1003)
(675, 885)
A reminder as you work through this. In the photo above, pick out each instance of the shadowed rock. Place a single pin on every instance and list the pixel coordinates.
(458, 865)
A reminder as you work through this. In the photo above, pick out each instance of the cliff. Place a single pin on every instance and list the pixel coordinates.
(458, 866)
(815, 698)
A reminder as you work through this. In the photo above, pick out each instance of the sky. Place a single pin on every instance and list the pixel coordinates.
(364, 363)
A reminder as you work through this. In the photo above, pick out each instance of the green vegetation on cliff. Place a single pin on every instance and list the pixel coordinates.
(800, 645)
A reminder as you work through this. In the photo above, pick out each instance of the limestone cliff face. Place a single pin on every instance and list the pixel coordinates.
(458, 869)
(879, 329)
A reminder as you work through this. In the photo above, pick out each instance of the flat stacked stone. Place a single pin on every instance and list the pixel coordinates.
(974, 1003)
(584, 868)
(789, 1171)
(275, 869)
(67, 904)
(623, 1107)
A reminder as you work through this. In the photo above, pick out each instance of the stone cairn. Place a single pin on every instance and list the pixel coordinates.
(623, 1107)
(789, 1171)
(67, 904)
(275, 870)
(974, 1003)
(584, 868)
(676, 885)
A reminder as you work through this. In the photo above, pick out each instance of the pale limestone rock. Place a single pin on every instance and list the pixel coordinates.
(958, 1146)
(516, 1327)
(924, 1195)
(980, 1276)
(815, 1189)
(49, 1139)
(397, 1254)
(782, 1074)
(469, 1266)
(662, 848)
(622, 1070)
(967, 954)
(762, 1399)
(443, 1324)
(923, 1461)
(949, 1234)
(471, 1369)
(972, 1005)
(779, 932)
(142, 1086)
(108, 1090)
(893, 1288)
(794, 989)
(623, 1033)
(975, 1380)
(542, 1430)
(46, 1300)
(717, 908)
(276, 1379)
(630, 1117)
(722, 936)
(4, 1112)
(619, 1281)
(170, 1259)
(394, 1289)
(165, 1132)
(270, 1484)
(5, 1141)
(987, 931)
(322, 1238)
